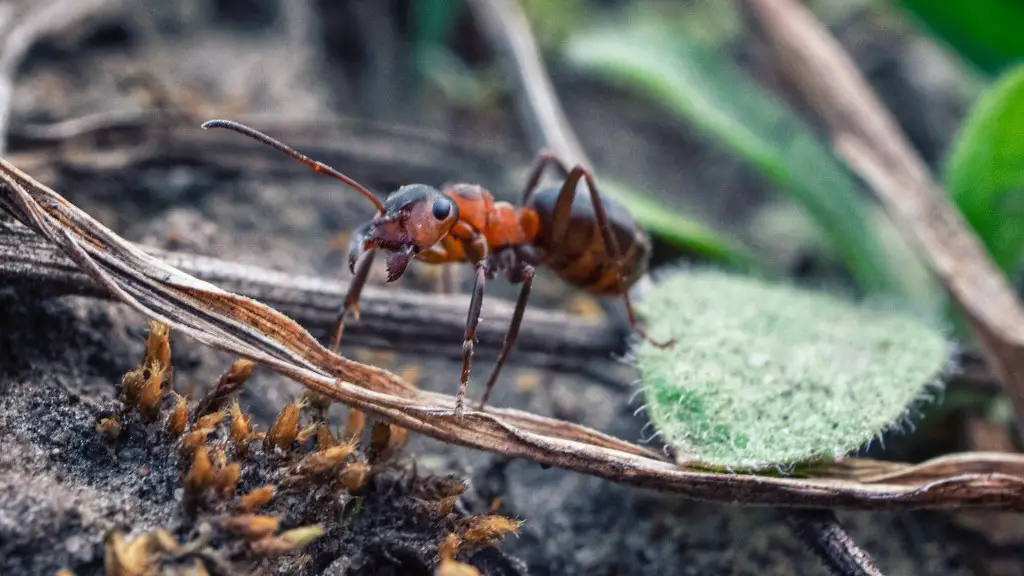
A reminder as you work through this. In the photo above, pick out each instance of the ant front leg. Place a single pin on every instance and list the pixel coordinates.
(360, 261)
(483, 273)
(524, 273)
(560, 227)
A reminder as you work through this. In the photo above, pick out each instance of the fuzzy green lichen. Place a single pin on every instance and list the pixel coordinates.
(766, 375)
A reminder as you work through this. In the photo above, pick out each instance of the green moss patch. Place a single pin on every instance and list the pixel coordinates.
(767, 375)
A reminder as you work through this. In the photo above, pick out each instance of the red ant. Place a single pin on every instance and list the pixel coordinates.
(554, 227)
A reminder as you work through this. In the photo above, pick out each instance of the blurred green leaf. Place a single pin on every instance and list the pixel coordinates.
(710, 94)
(988, 33)
(985, 169)
(678, 230)
(431, 21)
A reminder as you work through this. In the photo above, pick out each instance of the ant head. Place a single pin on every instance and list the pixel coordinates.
(414, 218)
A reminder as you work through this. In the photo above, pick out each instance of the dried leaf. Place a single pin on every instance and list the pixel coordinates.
(249, 329)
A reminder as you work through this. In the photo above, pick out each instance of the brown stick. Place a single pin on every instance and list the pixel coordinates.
(821, 531)
(869, 140)
(389, 317)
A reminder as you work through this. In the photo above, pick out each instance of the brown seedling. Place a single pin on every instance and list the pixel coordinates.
(211, 420)
(448, 565)
(250, 526)
(158, 346)
(488, 530)
(194, 439)
(201, 474)
(354, 476)
(463, 223)
(227, 478)
(178, 420)
(229, 383)
(110, 428)
(287, 542)
(152, 393)
(138, 556)
(320, 464)
(241, 430)
(354, 425)
(324, 438)
(307, 432)
(256, 499)
(285, 429)
(131, 386)
(445, 506)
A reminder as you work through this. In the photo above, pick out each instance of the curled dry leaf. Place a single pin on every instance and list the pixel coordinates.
(252, 330)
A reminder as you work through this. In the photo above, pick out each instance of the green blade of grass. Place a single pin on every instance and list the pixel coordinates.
(988, 33)
(711, 95)
(678, 230)
(985, 170)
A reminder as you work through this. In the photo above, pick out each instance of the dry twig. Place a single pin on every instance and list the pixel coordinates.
(867, 137)
(250, 329)
(393, 317)
(821, 531)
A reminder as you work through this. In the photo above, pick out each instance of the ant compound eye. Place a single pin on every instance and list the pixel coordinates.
(442, 208)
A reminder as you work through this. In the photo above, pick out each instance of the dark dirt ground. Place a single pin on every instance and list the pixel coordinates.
(62, 487)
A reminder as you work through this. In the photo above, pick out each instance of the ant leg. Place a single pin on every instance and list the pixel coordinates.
(560, 226)
(523, 274)
(483, 269)
(355, 289)
(544, 159)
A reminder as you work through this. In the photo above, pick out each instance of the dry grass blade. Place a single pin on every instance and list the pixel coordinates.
(249, 329)
(867, 137)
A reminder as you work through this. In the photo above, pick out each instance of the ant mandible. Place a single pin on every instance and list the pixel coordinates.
(577, 238)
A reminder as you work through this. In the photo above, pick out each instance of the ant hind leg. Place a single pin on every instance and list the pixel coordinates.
(560, 226)
(544, 159)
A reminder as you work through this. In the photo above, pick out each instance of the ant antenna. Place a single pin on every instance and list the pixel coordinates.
(315, 165)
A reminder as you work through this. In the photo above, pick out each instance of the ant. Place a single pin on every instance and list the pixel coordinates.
(555, 227)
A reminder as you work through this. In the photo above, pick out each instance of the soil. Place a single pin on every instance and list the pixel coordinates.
(63, 486)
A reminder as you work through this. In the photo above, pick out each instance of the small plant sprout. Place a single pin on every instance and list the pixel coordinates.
(768, 376)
